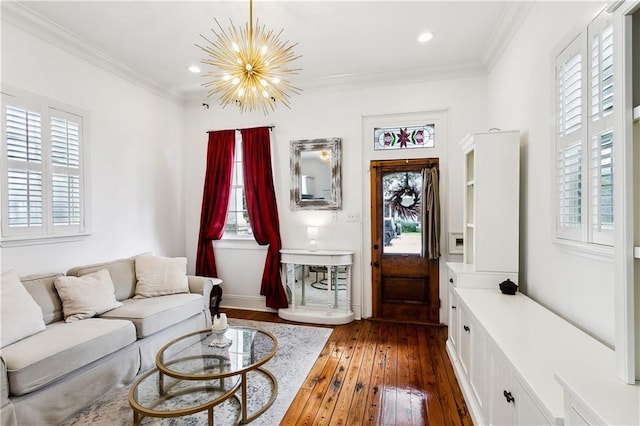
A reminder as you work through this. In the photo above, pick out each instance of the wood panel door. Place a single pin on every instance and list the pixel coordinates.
(405, 283)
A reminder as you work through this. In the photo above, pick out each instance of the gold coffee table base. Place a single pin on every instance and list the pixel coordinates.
(218, 382)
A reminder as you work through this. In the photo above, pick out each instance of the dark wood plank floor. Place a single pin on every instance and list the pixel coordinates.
(377, 373)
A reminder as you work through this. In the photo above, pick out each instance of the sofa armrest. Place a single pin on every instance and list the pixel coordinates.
(4, 383)
(203, 286)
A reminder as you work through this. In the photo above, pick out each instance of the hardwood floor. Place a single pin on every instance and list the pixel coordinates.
(377, 373)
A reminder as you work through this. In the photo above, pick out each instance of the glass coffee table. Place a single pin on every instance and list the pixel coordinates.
(194, 375)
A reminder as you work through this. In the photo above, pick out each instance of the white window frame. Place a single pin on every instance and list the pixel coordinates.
(47, 231)
(587, 234)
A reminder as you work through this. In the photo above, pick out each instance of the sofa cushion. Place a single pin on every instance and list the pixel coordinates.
(42, 289)
(86, 296)
(20, 314)
(122, 272)
(151, 315)
(61, 348)
(159, 276)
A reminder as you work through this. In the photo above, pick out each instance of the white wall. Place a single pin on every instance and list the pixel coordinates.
(520, 88)
(135, 160)
(321, 114)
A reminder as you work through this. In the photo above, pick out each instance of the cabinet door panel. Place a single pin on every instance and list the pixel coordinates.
(480, 367)
(502, 412)
(464, 340)
(453, 318)
(528, 412)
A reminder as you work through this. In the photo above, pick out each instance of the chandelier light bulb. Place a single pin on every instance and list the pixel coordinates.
(248, 57)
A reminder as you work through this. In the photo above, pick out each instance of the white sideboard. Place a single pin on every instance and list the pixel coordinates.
(491, 200)
(332, 309)
(520, 364)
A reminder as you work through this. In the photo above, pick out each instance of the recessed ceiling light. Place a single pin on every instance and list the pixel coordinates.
(424, 37)
(194, 69)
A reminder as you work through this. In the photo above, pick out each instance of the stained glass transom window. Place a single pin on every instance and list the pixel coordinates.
(422, 136)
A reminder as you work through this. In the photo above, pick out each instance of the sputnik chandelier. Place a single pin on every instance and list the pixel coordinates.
(251, 66)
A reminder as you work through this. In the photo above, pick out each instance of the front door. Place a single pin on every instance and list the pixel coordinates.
(405, 282)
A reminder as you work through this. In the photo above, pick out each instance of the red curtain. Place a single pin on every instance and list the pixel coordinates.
(263, 210)
(215, 198)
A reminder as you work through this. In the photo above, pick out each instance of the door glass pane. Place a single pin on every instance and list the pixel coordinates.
(402, 212)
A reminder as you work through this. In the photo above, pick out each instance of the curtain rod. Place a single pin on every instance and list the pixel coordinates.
(268, 127)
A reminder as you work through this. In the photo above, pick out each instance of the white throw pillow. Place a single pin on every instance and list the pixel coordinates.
(86, 296)
(158, 276)
(21, 315)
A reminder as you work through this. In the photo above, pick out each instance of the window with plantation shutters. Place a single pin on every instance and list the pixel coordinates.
(42, 173)
(585, 136)
(569, 140)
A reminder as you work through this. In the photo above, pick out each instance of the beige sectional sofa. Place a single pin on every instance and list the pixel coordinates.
(48, 376)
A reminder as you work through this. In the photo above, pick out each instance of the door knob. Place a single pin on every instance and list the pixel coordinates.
(376, 247)
(376, 264)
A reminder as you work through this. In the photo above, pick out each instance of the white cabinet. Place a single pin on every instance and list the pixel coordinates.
(491, 200)
(510, 403)
(520, 364)
(469, 347)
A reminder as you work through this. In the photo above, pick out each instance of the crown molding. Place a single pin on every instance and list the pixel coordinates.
(21, 16)
(368, 80)
(510, 21)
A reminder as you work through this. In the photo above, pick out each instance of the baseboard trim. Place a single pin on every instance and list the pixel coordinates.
(250, 303)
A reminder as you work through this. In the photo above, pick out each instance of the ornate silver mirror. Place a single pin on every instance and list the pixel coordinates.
(316, 174)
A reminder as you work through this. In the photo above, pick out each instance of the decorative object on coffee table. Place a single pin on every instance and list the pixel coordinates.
(218, 330)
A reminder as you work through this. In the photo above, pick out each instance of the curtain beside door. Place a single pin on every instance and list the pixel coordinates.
(431, 213)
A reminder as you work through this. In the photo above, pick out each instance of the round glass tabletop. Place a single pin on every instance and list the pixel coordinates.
(196, 356)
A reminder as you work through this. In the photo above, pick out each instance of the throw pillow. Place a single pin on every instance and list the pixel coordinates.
(21, 315)
(158, 276)
(86, 296)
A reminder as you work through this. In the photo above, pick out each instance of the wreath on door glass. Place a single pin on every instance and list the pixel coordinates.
(405, 199)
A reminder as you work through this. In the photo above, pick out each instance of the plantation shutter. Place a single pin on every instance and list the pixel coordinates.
(65, 167)
(601, 164)
(569, 140)
(42, 170)
(24, 171)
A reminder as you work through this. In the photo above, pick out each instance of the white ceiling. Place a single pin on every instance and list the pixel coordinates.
(340, 41)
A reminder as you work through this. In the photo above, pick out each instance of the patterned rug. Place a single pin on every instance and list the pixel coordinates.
(298, 349)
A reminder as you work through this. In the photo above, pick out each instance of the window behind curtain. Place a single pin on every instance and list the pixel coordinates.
(238, 217)
(585, 137)
(42, 178)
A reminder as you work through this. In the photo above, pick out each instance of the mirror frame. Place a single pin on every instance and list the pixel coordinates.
(334, 145)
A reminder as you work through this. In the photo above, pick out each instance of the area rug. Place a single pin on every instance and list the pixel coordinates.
(298, 349)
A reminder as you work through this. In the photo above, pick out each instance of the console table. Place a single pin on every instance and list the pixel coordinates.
(310, 301)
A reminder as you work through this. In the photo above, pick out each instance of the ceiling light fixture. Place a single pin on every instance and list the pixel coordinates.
(251, 67)
(194, 69)
(424, 37)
